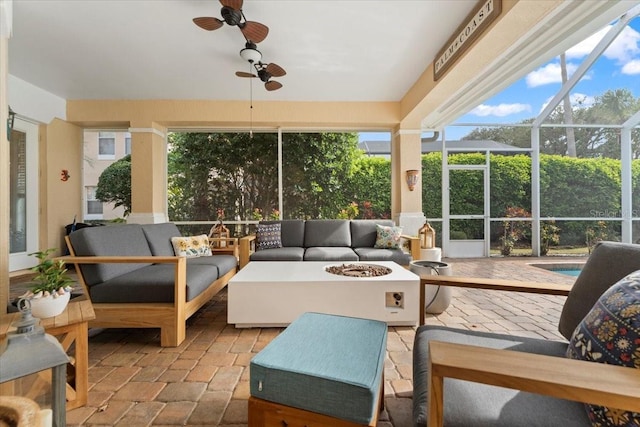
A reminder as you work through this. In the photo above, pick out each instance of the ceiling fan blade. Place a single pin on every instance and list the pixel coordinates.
(233, 4)
(275, 70)
(208, 23)
(254, 31)
(272, 85)
(244, 74)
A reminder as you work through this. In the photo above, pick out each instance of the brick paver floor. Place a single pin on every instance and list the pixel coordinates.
(205, 381)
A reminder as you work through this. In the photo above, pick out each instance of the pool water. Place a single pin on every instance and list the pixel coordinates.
(568, 271)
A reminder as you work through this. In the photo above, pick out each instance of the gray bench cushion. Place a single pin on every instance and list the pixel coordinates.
(374, 254)
(278, 254)
(116, 240)
(608, 263)
(327, 232)
(331, 365)
(159, 237)
(364, 233)
(469, 404)
(224, 263)
(154, 283)
(330, 254)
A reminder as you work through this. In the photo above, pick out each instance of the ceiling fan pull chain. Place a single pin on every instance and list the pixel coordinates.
(250, 106)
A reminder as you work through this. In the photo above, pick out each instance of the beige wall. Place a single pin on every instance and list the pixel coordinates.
(4, 180)
(60, 148)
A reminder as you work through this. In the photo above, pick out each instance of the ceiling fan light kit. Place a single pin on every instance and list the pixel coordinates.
(251, 53)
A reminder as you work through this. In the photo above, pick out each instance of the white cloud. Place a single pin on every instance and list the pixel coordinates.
(548, 74)
(631, 67)
(625, 46)
(500, 110)
(585, 47)
(578, 100)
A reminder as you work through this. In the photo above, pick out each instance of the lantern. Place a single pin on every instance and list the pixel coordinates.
(427, 236)
(219, 235)
(34, 365)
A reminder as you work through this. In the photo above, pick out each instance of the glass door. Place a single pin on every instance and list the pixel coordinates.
(23, 212)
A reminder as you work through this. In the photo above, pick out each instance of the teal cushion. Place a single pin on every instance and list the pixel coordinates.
(610, 333)
(332, 365)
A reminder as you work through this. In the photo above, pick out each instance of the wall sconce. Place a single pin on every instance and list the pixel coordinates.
(11, 116)
(412, 178)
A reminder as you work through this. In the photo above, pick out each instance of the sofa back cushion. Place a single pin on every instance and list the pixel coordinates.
(159, 237)
(608, 263)
(120, 240)
(291, 232)
(327, 232)
(363, 231)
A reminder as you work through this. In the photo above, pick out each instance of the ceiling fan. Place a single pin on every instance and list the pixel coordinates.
(232, 14)
(263, 71)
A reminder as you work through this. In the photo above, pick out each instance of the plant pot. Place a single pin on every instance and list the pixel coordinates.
(49, 306)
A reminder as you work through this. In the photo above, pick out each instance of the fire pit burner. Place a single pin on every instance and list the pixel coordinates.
(358, 270)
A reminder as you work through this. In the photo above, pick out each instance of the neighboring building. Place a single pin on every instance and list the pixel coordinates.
(383, 148)
(101, 149)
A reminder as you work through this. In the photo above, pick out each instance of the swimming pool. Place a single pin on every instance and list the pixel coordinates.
(567, 268)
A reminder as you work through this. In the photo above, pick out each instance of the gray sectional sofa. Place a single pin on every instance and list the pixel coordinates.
(134, 279)
(328, 240)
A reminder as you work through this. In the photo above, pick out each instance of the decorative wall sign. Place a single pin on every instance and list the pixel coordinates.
(477, 22)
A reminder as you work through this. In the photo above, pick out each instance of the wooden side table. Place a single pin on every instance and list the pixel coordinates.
(71, 329)
(224, 246)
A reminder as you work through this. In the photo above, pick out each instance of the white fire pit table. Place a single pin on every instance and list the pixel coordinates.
(274, 293)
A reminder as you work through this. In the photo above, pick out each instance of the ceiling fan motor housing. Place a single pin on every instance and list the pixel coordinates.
(264, 75)
(231, 16)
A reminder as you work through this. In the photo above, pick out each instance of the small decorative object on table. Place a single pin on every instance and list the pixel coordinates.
(52, 291)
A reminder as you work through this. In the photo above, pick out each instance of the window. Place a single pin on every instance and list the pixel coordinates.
(106, 146)
(94, 207)
(127, 143)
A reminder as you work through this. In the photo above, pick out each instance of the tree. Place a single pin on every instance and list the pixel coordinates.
(567, 110)
(114, 184)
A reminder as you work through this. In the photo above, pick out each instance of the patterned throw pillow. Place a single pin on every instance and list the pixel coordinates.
(191, 246)
(610, 333)
(388, 237)
(268, 236)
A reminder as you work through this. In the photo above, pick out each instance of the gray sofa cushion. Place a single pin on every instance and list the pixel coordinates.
(469, 404)
(159, 237)
(292, 232)
(327, 232)
(120, 240)
(373, 254)
(153, 283)
(608, 263)
(224, 263)
(278, 254)
(364, 233)
(330, 254)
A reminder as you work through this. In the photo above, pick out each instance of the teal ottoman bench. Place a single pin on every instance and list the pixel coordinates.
(323, 370)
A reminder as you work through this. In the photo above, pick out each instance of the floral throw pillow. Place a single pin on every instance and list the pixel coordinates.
(610, 333)
(191, 246)
(268, 236)
(388, 237)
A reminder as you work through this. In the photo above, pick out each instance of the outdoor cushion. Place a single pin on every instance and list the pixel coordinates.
(278, 254)
(154, 283)
(374, 254)
(292, 232)
(608, 263)
(331, 365)
(468, 404)
(191, 246)
(610, 334)
(330, 254)
(388, 237)
(159, 237)
(224, 263)
(120, 240)
(268, 236)
(364, 233)
(327, 232)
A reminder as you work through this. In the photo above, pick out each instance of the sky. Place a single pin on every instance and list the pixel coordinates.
(618, 67)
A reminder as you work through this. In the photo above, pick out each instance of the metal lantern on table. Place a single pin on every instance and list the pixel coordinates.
(427, 236)
(34, 365)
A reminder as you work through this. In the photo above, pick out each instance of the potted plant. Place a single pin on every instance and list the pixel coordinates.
(52, 290)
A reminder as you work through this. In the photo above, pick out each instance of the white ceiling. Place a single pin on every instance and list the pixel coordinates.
(150, 49)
